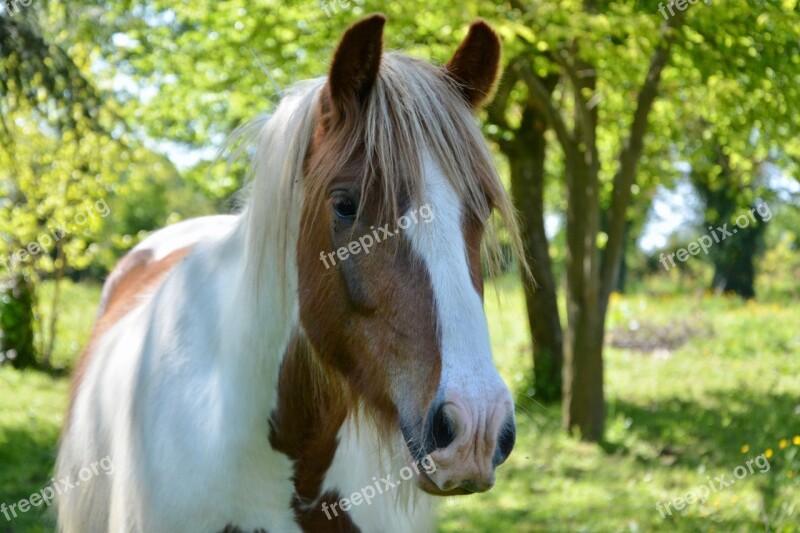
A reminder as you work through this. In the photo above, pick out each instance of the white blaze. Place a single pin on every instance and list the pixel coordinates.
(467, 365)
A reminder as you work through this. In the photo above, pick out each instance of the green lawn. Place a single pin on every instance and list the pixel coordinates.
(675, 418)
(725, 390)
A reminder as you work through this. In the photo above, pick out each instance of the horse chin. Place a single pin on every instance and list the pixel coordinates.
(425, 484)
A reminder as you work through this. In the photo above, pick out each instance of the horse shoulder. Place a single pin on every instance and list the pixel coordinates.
(139, 274)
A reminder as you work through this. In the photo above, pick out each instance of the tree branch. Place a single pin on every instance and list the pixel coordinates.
(588, 129)
(496, 110)
(539, 94)
(630, 155)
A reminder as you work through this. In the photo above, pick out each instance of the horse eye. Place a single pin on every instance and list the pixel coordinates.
(344, 207)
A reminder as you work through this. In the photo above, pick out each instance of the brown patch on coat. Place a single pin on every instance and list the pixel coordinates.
(140, 279)
(312, 405)
(135, 279)
(372, 316)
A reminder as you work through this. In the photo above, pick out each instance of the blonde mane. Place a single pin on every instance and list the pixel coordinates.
(413, 108)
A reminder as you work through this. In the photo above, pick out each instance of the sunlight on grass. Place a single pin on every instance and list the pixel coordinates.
(725, 393)
(32, 407)
(75, 319)
(674, 419)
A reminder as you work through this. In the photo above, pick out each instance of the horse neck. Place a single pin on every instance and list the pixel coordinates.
(258, 311)
(334, 446)
(309, 405)
(312, 406)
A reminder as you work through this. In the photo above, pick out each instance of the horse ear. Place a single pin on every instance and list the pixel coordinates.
(356, 62)
(476, 64)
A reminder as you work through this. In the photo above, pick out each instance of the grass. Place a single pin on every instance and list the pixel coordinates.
(675, 418)
(726, 391)
(75, 318)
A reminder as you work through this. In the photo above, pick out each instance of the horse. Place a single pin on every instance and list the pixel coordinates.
(274, 370)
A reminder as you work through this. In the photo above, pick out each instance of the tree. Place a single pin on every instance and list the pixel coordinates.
(40, 85)
(611, 60)
(590, 275)
(734, 257)
(744, 118)
(582, 76)
(65, 149)
(16, 322)
(524, 145)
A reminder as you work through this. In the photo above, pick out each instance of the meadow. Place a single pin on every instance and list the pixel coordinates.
(697, 385)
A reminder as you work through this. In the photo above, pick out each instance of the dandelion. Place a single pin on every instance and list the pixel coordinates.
(796, 440)
(768, 453)
(783, 443)
(745, 448)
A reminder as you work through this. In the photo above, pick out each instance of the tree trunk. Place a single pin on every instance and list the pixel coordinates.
(61, 260)
(733, 258)
(584, 398)
(527, 188)
(589, 283)
(16, 322)
(622, 263)
(734, 269)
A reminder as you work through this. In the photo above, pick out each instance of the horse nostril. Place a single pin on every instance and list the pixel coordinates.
(505, 442)
(441, 431)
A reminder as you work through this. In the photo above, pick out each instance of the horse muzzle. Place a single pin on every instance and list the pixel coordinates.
(465, 441)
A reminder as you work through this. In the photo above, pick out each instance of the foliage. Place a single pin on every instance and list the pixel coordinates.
(68, 159)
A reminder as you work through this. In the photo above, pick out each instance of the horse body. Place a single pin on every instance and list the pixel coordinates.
(238, 385)
(211, 465)
(177, 355)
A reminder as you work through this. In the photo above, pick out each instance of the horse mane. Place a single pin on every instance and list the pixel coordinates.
(413, 108)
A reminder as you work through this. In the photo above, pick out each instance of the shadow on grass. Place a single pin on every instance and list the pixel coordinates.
(713, 432)
(55, 372)
(26, 466)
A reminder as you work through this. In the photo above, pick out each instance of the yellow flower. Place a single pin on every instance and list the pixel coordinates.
(796, 440)
(790, 474)
(768, 453)
(783, 443)
(745, 448)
